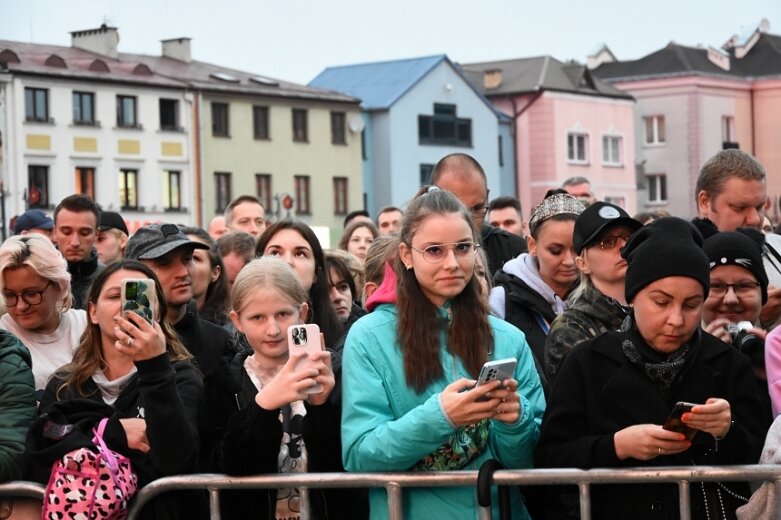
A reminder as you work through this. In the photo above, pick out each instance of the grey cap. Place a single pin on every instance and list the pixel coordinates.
(156, 240)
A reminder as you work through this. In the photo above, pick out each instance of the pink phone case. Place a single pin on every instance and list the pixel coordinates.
(305, 337)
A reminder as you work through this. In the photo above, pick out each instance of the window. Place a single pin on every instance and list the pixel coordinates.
(444, 128)
(617, 201)
(576, 147)
(85, 181)
(38, 186)
(169, 114)
(654, 130)
(263, 189)
(728, 136)
(340, 196)
(338, 134)
(302, 195)
(36, 104)
(126, 112)
(425, 173)
(300, 132)
(260, 122)
(611, 150)
(83, 108)
(222, 190)
(220, 120)
(171, 190)
(128, 189)
(657, 188)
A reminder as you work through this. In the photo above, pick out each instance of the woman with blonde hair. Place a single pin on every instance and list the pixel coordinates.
(36, 290)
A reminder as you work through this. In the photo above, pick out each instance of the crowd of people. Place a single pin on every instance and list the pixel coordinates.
(266, 353)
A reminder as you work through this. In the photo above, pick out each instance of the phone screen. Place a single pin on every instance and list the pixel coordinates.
(673, 422)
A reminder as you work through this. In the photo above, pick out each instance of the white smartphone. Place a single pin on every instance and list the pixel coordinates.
(499, 369)
(307, 338)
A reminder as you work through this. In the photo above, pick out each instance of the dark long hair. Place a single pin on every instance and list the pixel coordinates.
(215, 304)
(321, 311)
(469, 336)
(88, 356)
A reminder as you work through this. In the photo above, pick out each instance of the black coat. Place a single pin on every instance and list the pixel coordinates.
(500, 246)
(241, 438)
(599, 392)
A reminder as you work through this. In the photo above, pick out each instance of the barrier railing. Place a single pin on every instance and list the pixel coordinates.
(20, 488)
(395, 482)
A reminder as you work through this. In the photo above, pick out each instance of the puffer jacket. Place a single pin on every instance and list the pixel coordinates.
(17, 405)
(590, 315)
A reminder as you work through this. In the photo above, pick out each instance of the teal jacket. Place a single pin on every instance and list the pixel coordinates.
(387, 426)
(17, 405)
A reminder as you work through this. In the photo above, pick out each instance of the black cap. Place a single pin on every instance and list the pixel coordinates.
(32, 219)
(742, 248)
(156, 240)
(112, 220)
(595, 219)
(666, 247)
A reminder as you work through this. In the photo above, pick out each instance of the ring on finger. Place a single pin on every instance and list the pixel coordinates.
(660, 450)
(129, 340)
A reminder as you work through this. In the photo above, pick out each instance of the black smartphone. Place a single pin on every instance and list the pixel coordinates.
(673, 422)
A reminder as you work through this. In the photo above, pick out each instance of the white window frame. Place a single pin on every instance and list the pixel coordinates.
(655, 141)
(618, 148)
(576, 134)
(656, 180)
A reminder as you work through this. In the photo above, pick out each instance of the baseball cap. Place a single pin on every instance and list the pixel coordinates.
(32, 219)
(595, 219)
(112, 220)
(156, 240)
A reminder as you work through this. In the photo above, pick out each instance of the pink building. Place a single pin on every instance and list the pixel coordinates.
(567, 123)
(693, 102)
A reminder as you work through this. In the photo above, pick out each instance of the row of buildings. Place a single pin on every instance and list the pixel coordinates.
(171, 138)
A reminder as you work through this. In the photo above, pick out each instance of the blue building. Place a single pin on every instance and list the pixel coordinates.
(414, 112)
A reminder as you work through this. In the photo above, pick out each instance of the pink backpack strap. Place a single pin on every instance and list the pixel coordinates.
(107, 454)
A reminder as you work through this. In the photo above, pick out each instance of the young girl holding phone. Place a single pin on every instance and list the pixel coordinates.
(261, 418)
(410, 368)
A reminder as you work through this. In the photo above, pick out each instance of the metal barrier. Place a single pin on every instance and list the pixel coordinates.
(21, 488)
(395, 482)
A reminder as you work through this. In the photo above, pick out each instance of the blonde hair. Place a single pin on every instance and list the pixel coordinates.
(266, 272)
(38, 253)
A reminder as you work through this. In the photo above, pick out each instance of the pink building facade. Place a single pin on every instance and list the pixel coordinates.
(566, 124)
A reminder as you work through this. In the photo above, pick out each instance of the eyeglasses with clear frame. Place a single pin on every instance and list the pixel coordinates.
(742, 289)
(30, 296)
(610, 241)
(438, 252)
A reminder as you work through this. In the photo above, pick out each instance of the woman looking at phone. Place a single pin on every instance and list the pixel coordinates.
(136, 373)
(409, 401)
(613, 394)
(262, 416)
(35, 285)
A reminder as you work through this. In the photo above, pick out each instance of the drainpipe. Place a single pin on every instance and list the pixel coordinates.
(516, 116)
(196, 155)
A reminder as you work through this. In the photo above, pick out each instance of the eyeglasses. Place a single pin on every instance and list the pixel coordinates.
(438, 252)
(610, 241)
(30, 297)
(479, 210)
(741, 289)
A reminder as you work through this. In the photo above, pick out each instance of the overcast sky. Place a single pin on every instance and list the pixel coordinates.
(295, 39)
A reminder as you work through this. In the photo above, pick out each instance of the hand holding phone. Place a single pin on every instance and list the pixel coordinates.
(305, 338)
(674, 423)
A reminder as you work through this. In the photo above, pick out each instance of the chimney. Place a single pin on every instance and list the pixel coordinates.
(177, 49)
(102, 40)
(492, 79)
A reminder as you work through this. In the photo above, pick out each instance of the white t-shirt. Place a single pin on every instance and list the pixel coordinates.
(49, 351)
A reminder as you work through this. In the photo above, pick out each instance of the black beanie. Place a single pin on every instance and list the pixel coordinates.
(666, 247)
(742, 248)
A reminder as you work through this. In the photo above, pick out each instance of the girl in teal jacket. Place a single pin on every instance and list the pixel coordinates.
(409, 401)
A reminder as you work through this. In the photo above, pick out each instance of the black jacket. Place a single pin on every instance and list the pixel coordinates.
(500, 246)
(241, 438)
(207, 342)
(82, 275)
(167, 395)
(599, 391)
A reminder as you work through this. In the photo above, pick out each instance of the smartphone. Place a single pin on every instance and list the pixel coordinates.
(139, 296)
(673, 422)
(307, 338)
(499, 369)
